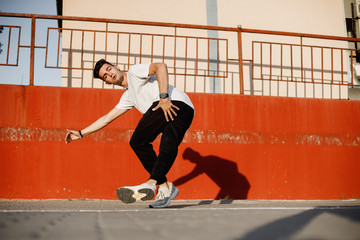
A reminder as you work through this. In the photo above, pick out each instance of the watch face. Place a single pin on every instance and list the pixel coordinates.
(164, 95)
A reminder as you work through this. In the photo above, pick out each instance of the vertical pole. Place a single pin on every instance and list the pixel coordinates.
(82, 50)
(196, 63)
(342, 67)
(301, 52)
(281, 62)
(197, 56)
(152, 48)
(106, 38)
(18, 49)
(208, 59)
(163, 56)
(117, 49)
(94, 48)
(270, 78)
(322, 65)
(241, 77)
(140, 47)
(32, 51)
(312, 64)
(261, 62)
(332, 66)
(186, 53)
(218, 60)
(8, 52)
(352, 68)
(47, 46)
(175, 36)
(129, 51)
(291, 63)
(58, 50)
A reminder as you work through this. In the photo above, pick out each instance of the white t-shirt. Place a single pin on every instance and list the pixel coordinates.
(143, 90)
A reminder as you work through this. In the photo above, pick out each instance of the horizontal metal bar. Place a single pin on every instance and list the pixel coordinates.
(122, 21)
(305, 82)
(309, 46)
(136, 33)
(24, 46)
(9, 64)
(236, 60)
(73, 68)
(306, 35)
(11, 26)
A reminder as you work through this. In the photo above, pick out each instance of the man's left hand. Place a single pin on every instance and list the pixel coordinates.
(168, 108)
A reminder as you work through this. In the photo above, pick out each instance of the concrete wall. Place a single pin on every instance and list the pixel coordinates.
(317, 17)
(238, 147)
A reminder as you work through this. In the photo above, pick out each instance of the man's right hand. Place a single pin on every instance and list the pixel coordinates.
(168, 108)
(72, 135)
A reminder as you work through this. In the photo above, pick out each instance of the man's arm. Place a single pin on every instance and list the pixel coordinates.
(160, 70)
(97, 125)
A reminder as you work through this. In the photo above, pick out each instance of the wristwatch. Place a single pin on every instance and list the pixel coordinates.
(164, 95)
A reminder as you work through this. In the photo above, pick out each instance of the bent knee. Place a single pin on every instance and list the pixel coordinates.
(134, 143)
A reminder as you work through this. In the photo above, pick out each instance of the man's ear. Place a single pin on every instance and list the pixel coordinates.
(107, 83)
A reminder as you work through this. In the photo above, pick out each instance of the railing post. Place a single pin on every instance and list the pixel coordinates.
(241, 75)
(32, 51)
(106, 38)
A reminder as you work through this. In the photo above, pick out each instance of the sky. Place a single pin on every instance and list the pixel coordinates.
(21, 74)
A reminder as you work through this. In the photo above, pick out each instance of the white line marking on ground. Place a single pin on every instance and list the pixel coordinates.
(176, 209)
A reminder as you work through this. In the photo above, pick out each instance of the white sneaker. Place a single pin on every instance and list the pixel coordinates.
(131, 194)
(164, 196)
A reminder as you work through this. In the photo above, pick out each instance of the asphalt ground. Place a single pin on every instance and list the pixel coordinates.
(200, 219)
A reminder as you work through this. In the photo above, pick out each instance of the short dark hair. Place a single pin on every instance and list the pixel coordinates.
(97, 67)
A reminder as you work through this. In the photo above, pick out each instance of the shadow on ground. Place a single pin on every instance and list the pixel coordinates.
(287, 227)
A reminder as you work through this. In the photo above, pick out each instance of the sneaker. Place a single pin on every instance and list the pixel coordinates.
(164, 196)
(142, 192)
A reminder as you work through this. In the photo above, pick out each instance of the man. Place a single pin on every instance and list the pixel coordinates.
(165, 110)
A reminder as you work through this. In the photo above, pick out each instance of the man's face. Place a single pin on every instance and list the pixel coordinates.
(110, 74)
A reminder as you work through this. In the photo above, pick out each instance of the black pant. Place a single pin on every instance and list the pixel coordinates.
(149, 127)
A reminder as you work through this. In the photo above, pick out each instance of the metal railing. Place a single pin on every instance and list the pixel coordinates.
(188, 51)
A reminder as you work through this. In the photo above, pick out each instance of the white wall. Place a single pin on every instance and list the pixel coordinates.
(324, 17)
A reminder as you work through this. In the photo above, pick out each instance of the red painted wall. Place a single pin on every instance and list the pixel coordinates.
(238, 147)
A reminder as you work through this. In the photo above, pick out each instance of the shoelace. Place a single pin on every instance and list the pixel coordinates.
(162, 194)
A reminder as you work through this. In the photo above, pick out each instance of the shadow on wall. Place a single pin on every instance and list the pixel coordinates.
(233, 185)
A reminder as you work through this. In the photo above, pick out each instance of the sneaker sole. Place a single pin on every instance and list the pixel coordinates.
(126, 195)
(150, 194)
(175, 193)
